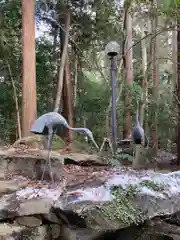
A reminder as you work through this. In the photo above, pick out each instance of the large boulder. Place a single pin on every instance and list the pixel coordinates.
(94, 198)
(107, 199)
(126, 196)
(30, 162)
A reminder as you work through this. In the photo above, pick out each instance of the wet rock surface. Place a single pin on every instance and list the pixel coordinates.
(10, 231)
(84, 201)
(29, 221)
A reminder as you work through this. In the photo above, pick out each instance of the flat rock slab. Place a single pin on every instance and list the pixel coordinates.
(30, 162)
(9, 186)
(153, 193)
(29, 221)
(86, 191)
(44, 232)
(14, 232)
(85, 159)
(29, 201)
(36, 153)
(51, 217)
(10, 232)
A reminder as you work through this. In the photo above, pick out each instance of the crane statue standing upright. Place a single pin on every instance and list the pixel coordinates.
(138, 135)
(47, 125)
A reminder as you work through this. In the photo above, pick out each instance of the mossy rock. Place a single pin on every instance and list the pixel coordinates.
(80, 146)
(58, 143)
(121, 208)
(33, 141)
(152, 185)
(76, 146)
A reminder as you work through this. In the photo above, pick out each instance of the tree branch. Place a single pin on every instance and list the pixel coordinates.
(62, 64)
(16, 101)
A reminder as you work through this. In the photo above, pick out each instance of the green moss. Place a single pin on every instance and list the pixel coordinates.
(121, 207)
(57, 143)
(152, 185)
(28, 233)
(80, 145)
(114, 162)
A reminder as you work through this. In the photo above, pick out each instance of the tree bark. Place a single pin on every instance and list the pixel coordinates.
(129, 74)
(174, 74)
(68, 102)
(138, 150)
(174, 56)
(62, 64)
(29, 108)
(145, 74)
(155, 75)
(75, 80)
(178, 91)
(16, 102)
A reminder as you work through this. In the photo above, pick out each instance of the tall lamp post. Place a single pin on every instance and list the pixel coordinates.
(112, 50)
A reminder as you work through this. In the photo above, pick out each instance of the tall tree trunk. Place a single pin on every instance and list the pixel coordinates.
(148, 72)
(145, 75)
(174, 74)
(29, 108)
(64, 93)
(155, 71)
(16, 102)
(12, 134)
(138, 157)
(62, 64)
(178, 90)
(68, 102)
(129, 73)
(75, 80)
(174, 56)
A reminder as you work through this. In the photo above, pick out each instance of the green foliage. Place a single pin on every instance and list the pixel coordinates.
(152, 185)
(114, 162)
(124, 156)
(10, 52)
(93, 97)
(91, 30)
(121, 207)
(93, 101)
(45, 75)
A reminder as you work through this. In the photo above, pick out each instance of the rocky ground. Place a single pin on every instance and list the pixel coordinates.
(87, 198)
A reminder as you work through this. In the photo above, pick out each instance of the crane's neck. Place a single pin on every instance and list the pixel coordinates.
(76, 129)
(84, 131)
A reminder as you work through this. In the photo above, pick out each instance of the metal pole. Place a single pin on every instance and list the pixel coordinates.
(113, 81)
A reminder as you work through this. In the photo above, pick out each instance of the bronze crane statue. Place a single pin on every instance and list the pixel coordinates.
(138, 135)
(47, 125)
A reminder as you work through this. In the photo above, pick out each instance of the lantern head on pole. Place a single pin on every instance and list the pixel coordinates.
(112, 49)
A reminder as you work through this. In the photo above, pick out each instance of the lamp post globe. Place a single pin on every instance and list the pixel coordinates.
(112, 49)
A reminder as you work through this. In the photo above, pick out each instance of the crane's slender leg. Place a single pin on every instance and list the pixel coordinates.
(134, 152)
(49, 147)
